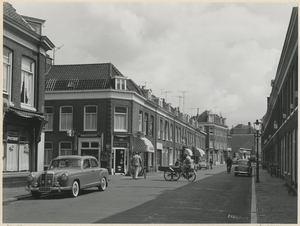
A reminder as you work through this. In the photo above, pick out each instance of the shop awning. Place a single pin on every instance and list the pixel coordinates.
(199, 152)
(26, 114)
(188, 151)
(142, 144)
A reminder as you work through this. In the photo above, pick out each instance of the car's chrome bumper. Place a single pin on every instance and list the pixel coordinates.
(242, 172)
(48, 189)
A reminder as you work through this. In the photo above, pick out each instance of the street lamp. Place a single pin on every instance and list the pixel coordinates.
(257, 128)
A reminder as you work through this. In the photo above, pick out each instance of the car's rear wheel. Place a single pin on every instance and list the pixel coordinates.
(235, 174)
(102, 185)
(75, 189)
(35, 194)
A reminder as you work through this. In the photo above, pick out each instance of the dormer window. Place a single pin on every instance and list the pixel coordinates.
(120, 83)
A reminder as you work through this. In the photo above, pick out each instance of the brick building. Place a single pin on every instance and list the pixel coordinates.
(94, 109)
(280, 123)
(24, 67)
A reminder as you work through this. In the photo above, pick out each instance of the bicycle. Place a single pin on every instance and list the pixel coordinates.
(142, 172)
(174, 173)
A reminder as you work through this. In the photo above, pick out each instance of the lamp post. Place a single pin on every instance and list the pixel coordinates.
(257, 128)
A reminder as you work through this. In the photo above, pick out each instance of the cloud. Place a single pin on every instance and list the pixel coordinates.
(221, 55)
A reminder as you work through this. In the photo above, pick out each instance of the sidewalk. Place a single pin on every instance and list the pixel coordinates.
(270, 199)
(273, 203)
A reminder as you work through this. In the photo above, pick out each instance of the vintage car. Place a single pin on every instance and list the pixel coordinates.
(243, 167)
(69, 173)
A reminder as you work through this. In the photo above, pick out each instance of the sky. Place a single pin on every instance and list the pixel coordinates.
(218, 56)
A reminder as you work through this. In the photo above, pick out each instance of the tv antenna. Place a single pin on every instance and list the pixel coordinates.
(55, 49)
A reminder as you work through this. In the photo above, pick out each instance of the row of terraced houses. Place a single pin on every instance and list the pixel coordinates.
(93, 109)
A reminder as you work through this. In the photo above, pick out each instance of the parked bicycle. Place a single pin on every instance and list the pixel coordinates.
(142, 172)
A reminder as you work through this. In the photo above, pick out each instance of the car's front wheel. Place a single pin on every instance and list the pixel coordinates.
(35, 194)
(102, 185)
(75, 189)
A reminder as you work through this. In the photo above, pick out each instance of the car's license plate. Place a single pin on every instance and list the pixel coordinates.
(45, 189)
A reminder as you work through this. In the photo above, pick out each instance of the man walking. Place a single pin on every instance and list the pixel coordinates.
(136, 162)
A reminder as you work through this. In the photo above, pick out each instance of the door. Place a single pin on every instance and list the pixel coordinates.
(119, 161)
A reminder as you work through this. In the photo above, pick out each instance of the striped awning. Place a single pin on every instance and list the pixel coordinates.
(188, 152)
(142, 144)
(199, 152)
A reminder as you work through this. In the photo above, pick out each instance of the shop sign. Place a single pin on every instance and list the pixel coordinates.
(123, 145)
(12, 138)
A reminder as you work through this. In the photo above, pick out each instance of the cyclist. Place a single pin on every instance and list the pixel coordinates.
(229, 164)
(186, 165)
(136, 162)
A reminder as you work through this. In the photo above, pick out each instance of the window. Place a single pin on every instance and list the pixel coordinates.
(90, 118)
(65, 148)
(7, 61)
(162, 129)
(120, 83)
(120, 122)
(166, 130)
(27, 82)
(48, 153)
(49, 117)
(146, 129)
(86, 164)
(171, 132)
(66, 118)
(141, 121)
(151, 125)
(94, 163)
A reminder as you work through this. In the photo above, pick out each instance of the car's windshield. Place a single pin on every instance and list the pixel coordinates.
(62, 163)
(243, 163)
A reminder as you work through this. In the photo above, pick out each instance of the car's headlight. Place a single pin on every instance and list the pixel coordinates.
(64, 176)
(30, 177)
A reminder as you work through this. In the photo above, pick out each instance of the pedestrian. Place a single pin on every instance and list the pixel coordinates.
(229, 164)
(186, 165)
(210, 163)
(136, 163)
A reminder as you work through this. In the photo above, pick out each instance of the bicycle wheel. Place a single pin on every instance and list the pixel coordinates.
(175, 176)
(191, 176)
(168, 176)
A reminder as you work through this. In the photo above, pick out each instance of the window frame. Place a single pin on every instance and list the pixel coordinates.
(47, 157)
(121, 115)
(46, 116)
(60, 118)
(64, 149)
(95, 114)
(28, 80)
(8, 74)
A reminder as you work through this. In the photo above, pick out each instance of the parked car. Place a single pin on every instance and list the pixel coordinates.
(69, 173)
(203, 164)
(243, 167)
